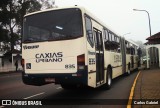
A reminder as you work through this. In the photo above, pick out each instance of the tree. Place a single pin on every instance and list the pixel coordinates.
(4, 35)
(142, 46)
(47, 4)
(8, 18)
(26, 6)
(12, 13)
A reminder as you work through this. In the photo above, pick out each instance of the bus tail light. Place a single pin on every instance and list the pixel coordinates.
(81, 62)
(22, 62)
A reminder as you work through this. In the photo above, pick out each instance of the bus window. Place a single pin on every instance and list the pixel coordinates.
(136, 50)
(113, 43)
(106, 36)
(117, 39)
(110, 37)
(132, 50)
(89, 31)
(117, 44)
(107, 40)
(113, 39)
(128, 48)
(100, 41)
(61, 24)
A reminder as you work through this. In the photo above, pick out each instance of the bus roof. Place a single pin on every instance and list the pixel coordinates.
(51, 9)
(131, 41)
(82, 9)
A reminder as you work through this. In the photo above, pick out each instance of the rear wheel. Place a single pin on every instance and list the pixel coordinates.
(31, 80)
(25, 79)
(108, 79)
(129, 71)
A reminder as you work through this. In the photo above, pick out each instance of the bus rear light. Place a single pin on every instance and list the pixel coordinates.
(22, 62)
(81, 59)
(81, 62)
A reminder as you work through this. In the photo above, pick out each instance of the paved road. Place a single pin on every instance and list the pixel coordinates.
(11, 87)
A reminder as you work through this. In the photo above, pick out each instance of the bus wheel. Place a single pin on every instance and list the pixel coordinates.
(26, 80)
(129, 71)
(108, 79)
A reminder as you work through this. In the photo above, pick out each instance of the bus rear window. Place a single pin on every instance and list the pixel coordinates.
(53, 25)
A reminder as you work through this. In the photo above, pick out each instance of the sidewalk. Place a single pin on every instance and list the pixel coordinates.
(147, 87)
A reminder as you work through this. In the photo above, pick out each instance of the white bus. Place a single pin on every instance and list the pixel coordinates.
(70, 47)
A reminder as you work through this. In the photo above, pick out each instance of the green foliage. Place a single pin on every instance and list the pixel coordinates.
(11, 16)
(4, 35)
(26, 6)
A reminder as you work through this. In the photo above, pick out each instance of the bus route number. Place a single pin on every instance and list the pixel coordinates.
(70, 66)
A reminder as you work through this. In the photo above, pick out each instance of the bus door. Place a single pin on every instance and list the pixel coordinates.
(123, 52)
(99, 56)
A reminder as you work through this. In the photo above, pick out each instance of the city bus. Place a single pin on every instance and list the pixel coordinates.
(71, 47)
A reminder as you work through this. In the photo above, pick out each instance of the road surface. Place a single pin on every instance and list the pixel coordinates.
(12, 87)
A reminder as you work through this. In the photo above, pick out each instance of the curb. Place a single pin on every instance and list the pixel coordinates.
(132, 91)
(10, 72)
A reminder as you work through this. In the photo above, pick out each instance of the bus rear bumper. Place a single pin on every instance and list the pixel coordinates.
(80, 77)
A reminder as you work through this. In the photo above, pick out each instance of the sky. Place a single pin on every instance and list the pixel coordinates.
(120, 17)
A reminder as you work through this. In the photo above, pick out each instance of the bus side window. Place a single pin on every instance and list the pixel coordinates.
(95, 33)
(89, 31)
(113, 44)
(117, 44)
(136, 50)
(132, 50)
(106, 35)
(106, 40)
(110, 37)
(113, 39)
(128, 49)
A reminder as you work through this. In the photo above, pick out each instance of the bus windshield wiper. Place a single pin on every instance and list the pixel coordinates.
(29, 39)
(60, 38)
(67, 37)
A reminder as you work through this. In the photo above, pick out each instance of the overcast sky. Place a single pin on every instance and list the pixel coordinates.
(120, 17)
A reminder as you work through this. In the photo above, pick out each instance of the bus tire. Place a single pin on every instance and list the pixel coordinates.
(31, 81)
(129, 71)
(108, 84)
(27, 81)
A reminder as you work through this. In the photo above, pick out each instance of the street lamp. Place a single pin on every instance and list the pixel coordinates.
(150, 35)
(126, 34)
(148, 18)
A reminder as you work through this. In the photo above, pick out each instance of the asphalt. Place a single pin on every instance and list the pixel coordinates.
(147, 89)
(12, 87)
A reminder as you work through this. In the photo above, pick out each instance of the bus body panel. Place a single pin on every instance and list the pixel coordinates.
(92, 58)
(53, 57)
(117, 64)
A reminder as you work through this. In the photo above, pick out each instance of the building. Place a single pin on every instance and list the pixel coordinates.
(153, 50)
(7, 61)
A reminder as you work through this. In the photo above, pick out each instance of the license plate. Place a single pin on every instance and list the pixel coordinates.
(49, 80)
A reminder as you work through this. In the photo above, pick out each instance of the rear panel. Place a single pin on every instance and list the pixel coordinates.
(52, 56)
